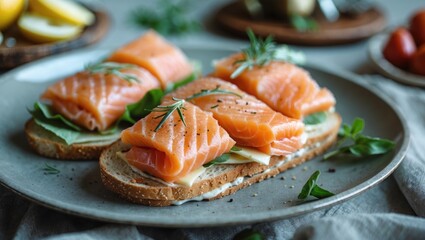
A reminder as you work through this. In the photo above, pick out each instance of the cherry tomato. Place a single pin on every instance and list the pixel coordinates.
(399, 48)
(417, 63)
(417, 27)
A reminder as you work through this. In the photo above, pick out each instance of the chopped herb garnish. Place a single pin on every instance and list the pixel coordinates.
(215, 106)
(114, 69)
(311, 188)
(303, 23)
(315, 118)
(50, 170)
(361, 145)
(262, 52)
(169, 18)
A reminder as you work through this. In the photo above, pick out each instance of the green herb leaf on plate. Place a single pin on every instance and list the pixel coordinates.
(311, 188)
(361, 145)
(315, 118)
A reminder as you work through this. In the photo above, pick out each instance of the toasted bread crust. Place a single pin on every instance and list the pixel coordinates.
(49, 145)
(120, 178)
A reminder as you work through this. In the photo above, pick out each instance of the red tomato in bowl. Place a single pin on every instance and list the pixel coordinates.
(417, 63)
(400, 48)
(417, 27)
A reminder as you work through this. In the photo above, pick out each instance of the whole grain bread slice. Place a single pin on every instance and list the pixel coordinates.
(49, 145)
(119, 177)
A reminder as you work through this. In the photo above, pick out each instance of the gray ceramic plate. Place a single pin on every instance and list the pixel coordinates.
(77, 189)
(376, 45)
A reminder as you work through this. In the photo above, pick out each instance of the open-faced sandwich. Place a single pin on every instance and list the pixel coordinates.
(82, 114)
(252, 118)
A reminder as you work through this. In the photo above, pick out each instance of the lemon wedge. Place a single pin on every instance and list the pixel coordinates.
(41, 29)
(63, 10)
(9, 12)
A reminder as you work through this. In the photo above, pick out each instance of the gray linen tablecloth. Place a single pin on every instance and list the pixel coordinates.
(394, 209)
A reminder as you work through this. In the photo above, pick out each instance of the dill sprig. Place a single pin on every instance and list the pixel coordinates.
(114, 69)
(168, 110)
(261, 52)
(179, 104)
(50, 170)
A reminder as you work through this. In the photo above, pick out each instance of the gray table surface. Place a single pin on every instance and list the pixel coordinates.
(351, 57)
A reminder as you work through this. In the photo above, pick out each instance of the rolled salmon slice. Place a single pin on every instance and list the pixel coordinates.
(248, 121)
(175, 150)
(96, 100)
(152, 52)
(283, 86)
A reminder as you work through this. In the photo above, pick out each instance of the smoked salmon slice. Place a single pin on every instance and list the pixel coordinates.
(283, 86)
(154, 53)
(248, 121)
(175, 150)
(96, 100)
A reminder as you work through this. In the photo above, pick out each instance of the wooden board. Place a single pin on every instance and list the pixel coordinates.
(234, 18)
(26, 51)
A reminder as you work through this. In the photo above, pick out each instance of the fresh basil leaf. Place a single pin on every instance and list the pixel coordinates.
(361, 145)
(224, 157)
(309, 185)
(315, 118)
(311, 188)
(249, 234)
(366, 146)
(357, 127)
(44, 113)
(320, 193)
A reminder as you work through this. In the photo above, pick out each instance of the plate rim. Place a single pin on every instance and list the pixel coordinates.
(242, 218)
(375, 46)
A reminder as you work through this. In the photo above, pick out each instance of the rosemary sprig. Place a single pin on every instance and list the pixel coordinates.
(168, 110)
(206, 92)
(179, 104)
(113, 68)
(262, 52)
(50, 170)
